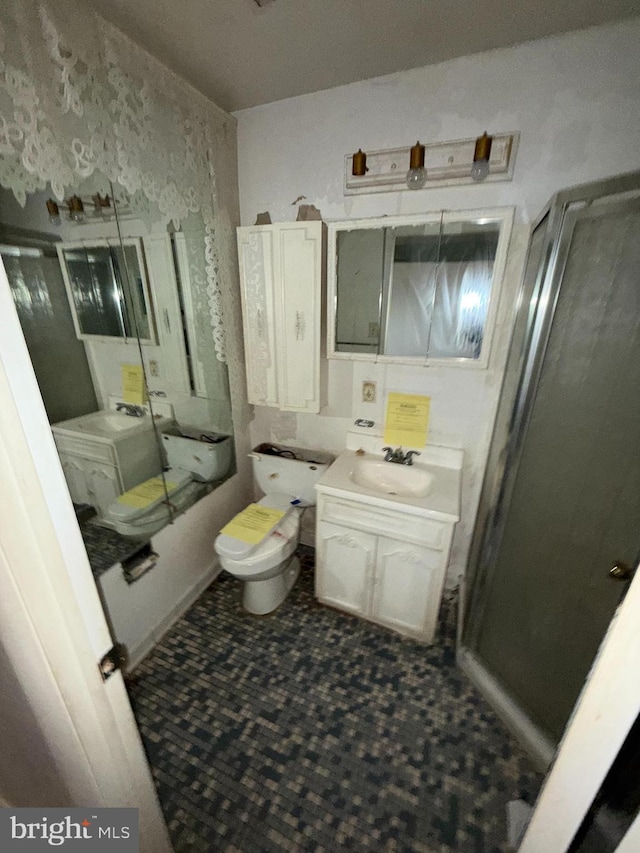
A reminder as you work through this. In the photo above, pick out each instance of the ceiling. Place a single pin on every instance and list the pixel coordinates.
(241, 54)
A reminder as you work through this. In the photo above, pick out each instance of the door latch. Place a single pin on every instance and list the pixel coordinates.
(114, 660)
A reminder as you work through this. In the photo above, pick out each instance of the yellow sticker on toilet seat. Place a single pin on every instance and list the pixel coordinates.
(144, 494)
(253, 523)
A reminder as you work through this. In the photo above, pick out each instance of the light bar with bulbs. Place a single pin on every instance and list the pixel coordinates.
(486, 158)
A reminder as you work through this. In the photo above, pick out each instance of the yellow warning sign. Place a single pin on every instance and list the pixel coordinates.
(146, 493)
(253, 523)
(407, 420)
(133, 390)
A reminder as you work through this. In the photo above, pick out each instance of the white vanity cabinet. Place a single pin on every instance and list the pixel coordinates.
(385, 558)
(91, 471)
(281, 277)
(99, 468)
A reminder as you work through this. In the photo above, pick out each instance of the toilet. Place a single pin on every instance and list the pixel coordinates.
(194, 458)
(269, 569)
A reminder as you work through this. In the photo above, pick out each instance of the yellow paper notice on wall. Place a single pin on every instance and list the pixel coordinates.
(146, 493)
(133, 390)
(253, 523)
(407, 420)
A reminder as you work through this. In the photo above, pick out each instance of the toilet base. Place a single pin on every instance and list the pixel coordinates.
(262, 597)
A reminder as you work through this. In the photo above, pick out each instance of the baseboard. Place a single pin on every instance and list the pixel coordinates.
(541, 750)
(137, 654)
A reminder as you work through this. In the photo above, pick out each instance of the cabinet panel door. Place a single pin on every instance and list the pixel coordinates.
(298, 265)
(74, 474)
(104, 485)
(407, 587)
(344, 569)
(256, 286)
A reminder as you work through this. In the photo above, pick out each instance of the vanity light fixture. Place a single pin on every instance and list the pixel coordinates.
(481, 155)
(101, 204)
(454, 162)
(359, 164)
(75, 207)
(53, 210)
(417, 174)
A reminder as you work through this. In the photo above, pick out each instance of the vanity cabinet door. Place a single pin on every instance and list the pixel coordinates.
(75, 475)
(103, 484)
(344, 567)
(298, 273)
(407, 587)
(255, 255)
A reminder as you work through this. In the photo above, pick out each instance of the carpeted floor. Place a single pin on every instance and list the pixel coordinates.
(311, 730)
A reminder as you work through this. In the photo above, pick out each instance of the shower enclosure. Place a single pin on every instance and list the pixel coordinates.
(558, 527)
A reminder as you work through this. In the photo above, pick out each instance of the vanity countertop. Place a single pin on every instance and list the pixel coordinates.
(442, 500)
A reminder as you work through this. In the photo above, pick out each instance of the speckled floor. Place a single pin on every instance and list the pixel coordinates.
(311, 730)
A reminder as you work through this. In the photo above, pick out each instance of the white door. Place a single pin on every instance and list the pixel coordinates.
(344, 573)
(53, 631)
(406, 587)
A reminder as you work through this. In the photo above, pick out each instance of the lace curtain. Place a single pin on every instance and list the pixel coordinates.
(77, 97)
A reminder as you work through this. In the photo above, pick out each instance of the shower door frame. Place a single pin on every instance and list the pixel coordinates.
(495, 497)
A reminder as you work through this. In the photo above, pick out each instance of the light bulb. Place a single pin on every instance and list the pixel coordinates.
(481, 154)
(417, 174)
(480, 170)
(54, 219)
(416, 178)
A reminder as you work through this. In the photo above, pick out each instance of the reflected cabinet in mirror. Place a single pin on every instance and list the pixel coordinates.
(417, 288)
(107, 289)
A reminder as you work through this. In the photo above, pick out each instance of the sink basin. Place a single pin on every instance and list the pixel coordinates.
(109, 425)
(389, 478)
(111, 422)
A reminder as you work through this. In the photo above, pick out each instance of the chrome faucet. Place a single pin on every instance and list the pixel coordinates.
(398, 456)
(131, 409)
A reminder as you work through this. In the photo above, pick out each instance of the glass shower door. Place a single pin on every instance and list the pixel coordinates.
(569, 506)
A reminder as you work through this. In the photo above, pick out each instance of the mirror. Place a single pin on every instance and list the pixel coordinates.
(102, 297)
(417, 288)
(107, 289)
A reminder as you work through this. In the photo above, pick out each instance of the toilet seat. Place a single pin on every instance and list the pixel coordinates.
(121, 513)
(234, 549)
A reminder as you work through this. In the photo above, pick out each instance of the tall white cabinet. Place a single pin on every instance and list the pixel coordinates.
(281, 276)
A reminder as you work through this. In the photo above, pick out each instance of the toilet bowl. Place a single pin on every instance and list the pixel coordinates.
(270, 568)
(194, 461)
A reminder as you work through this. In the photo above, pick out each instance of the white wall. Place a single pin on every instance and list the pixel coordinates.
(575, 100)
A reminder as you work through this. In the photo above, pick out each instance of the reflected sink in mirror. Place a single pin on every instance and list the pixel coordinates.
(110, 424)
(111, 421)
(392, 479)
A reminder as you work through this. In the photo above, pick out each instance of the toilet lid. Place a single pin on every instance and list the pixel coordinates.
(236, 549)
(129, 506)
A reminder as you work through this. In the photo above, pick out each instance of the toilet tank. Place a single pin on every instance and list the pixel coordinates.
(289, 470)
(206, 455)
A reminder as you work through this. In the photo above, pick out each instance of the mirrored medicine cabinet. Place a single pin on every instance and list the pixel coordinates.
(417, 289)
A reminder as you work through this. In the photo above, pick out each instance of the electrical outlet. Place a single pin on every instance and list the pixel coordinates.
(154, 370)
(374, 330)
(368, 392)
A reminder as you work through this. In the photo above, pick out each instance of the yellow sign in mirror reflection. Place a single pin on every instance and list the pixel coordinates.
(133, 389)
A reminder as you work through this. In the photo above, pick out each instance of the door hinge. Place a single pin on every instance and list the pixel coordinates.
(114, 660)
